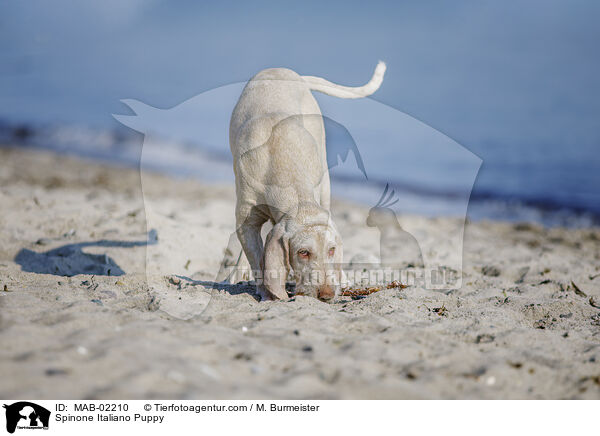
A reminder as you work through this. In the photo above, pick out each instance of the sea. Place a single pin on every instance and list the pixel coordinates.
(421, 170)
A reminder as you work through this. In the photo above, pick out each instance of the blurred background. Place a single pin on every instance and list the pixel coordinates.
(515, 84)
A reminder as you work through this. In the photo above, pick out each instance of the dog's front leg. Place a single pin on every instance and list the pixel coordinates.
(248, 232)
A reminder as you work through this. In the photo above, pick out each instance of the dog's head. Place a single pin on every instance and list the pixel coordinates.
(310, 246)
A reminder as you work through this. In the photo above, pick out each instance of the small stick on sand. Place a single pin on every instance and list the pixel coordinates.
(355, 292)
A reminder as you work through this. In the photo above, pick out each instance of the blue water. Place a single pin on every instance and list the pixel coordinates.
(508, 93)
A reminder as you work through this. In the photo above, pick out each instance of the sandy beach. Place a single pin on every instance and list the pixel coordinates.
(92, 308)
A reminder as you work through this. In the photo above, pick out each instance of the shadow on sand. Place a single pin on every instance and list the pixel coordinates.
(235, 289)
(232, 289)
(70, 260)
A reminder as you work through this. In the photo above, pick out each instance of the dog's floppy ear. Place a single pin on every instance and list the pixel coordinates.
(275, 262)
(338, 259)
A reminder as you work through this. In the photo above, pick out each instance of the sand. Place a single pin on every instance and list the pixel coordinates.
(524, 324)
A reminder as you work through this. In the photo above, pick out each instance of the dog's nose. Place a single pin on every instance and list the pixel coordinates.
(326, 293)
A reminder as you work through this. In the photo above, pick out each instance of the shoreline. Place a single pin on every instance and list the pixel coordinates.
(124, 147)
(524, 323)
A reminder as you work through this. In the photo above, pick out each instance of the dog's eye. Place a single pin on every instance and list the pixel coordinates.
(304, 254)
(331, 251)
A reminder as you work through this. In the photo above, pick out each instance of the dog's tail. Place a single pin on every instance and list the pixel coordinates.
(329, 88)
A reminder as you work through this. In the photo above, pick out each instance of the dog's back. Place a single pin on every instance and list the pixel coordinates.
(278, 93)
(269, 97)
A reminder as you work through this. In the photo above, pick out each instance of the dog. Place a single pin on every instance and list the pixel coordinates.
(277, 140)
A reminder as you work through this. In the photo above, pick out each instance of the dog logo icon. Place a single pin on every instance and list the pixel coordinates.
(26, 415)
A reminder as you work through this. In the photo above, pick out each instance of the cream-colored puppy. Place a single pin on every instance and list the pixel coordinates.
(277, 140)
